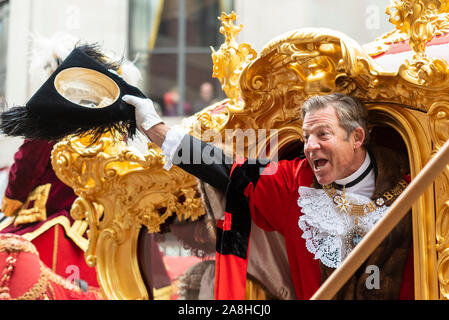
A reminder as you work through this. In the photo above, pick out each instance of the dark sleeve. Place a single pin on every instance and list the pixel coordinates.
(205, 161)
(270, 190)
(264, 186)
(30, 163)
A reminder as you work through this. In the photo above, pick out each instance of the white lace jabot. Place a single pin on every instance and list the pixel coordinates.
(324, 227)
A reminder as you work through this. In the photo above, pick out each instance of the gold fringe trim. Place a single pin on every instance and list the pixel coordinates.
(38, 290)
(10, 242)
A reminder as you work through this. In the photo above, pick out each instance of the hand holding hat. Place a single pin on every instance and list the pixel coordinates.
(146, 115)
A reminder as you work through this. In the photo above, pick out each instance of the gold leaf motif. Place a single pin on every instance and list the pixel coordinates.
(230, 59)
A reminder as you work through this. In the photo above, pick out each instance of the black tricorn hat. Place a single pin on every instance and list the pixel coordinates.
(83, 96)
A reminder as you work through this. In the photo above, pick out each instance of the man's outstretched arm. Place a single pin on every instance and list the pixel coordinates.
(180, 148)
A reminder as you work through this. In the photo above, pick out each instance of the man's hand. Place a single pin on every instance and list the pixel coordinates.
(147, 119)
(146, 115)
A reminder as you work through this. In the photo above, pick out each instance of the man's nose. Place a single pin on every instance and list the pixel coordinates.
(312, 144)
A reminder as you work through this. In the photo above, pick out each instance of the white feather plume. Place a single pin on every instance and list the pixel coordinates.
(130, 73)
(46, 52)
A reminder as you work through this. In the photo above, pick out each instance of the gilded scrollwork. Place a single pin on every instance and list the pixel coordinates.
(414, 17)
(297, 65)
(438, 116)
(214, 117)
(442, 233)
(111, 166)
(439, 23)
(120, 191)
(305, 62)
(311, 61)
(85, 210)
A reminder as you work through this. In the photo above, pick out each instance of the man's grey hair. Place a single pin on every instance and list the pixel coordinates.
(351, 112)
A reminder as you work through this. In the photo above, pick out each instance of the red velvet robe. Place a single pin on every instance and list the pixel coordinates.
(32, 167)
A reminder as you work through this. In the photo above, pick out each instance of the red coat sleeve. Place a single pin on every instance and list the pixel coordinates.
(30, 163)
(274, 192)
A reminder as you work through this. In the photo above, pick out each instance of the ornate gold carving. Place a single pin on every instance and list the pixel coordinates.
(119, 191)
(230, 59)
(87, 211)
(442, 234)
(438, 23)
(214, 117)
(300, 64)
(438, 116)
(306, 62)
(413, 17)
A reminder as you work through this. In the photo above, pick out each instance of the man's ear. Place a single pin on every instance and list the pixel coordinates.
(358, 136)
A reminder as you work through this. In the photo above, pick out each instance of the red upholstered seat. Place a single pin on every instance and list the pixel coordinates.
(24, 276)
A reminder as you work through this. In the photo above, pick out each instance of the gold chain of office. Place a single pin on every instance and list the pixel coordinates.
(350, 208)
(355, 235)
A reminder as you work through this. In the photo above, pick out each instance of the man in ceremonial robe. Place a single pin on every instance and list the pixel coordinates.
(322, 204)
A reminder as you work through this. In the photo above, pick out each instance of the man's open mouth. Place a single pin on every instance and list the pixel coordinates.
(318, 164)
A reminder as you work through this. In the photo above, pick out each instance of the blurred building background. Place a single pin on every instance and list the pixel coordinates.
(169, 40)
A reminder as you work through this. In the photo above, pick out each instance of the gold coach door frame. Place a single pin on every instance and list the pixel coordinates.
(414, 129)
